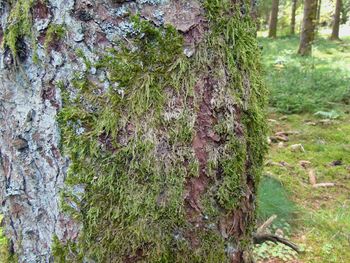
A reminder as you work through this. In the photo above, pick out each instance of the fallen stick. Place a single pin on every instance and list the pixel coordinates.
(324, 185)
(262, 238)
(312, 177)
(266, 224)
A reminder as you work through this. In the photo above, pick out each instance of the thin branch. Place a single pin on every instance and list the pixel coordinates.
(262, 238)
(266, 224)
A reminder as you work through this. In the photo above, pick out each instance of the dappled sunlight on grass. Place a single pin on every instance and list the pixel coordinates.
(322, 224)
(306, 84)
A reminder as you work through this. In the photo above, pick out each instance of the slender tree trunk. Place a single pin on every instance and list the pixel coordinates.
(292, 21)
(126, 139)
(318, 16)
(254, 14)
(273, 19)
(319, 4)
(336, 21)
(308, 27)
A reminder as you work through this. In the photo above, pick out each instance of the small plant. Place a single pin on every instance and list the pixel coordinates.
(270, 250)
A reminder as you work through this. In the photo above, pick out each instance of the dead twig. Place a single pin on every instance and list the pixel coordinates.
(262, 238)
(266, 224)
(324, 185)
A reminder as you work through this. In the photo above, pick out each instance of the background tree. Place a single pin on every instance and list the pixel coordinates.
(336, 21)
(308, 27)
(345, 9)
(150, 128)
(273, 19)
(292, 21)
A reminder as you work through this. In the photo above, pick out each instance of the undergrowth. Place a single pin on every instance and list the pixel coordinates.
(306, 84)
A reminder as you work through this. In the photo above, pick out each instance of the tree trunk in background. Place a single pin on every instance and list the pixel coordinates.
(273, 19)
(308, 27)
(149, 133)
(318, 18)
(292, 21)
(336, 21)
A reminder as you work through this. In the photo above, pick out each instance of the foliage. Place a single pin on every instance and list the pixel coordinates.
(270, 250)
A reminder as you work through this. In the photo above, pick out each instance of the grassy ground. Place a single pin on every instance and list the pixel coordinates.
(301, 84)
(318, 219)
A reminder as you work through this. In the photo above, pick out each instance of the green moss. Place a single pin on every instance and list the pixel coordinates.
(233, 171)
(133, 201)
(54, 33)
(19, 24)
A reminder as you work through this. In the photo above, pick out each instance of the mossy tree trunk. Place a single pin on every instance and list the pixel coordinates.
(307, 34)
(132, 131)
(336, 21)
(273, 19)
(292, 20)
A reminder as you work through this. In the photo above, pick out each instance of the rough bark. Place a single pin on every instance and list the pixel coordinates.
(308, 28)
(273, 19)
(292, 20)
(130, 139)
(336, 21)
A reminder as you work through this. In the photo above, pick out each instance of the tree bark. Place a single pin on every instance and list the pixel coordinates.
(292, 21)
(273, 19)
(336, 21)
(131, 131)
(308, 28)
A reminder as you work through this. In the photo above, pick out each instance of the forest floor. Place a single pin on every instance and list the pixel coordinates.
(307, 173)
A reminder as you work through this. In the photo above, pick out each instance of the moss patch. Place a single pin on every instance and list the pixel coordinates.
(133, 162)
(19, 25)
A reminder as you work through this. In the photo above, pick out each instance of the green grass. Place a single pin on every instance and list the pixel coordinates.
(322, 222)
(319, 217)
(298, 84)
(274, 200)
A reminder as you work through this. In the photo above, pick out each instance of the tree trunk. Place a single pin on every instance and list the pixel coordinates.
(292, 21)
(319, 4)
(273, 19)
(308, 27)
(336, 21)
(132, 131)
